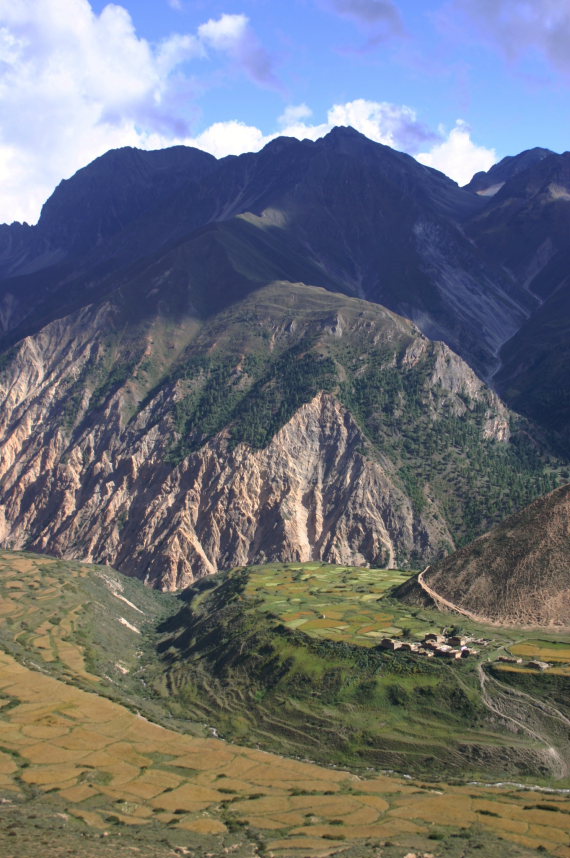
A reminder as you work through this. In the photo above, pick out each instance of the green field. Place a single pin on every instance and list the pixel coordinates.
(353, 604)
(346, 603)
(83, 770)
(284, 655)
(324, 601)
(549, 650)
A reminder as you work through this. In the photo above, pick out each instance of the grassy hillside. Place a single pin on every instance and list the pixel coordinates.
(286, 656)
(83, 773)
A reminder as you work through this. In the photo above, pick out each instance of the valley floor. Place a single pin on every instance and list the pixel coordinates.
(80, 772)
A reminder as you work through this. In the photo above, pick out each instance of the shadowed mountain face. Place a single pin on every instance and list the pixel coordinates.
(487, 184)
(518, 572)
(526, 228)
(166, 351)
(116, 190)
(343, 213)
(526, 225)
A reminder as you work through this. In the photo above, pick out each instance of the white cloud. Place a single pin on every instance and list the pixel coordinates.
(393, 125)
(224, 33)
(294, 113)
(233, 35)
(458, 156)
(229, 138)
(74, 84)
(175, 51)
(176, 4)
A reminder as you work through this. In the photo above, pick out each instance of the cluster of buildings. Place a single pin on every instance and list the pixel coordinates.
(535, 665)
(451, 646)
(442, 646)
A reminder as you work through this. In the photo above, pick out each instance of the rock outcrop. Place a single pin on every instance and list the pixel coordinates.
(311, 494)
(118, 445)
(90, 476)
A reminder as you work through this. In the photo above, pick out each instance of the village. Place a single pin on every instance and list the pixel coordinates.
(440, 645)
(452, 646)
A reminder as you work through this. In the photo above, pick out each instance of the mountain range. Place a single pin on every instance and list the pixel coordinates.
(323, 350)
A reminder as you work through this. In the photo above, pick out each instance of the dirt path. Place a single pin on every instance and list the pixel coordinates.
(443, 604)
(548, 708)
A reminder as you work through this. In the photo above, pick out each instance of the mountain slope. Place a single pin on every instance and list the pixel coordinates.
(488, 183)
(109, 194)
(167, 347)
(172, 445)
(366, 220)
(92, 226)
(518, 573)
(534, 372)
(526, 227)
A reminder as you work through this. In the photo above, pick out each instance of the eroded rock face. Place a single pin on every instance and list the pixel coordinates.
(310, 494)
(91, 477)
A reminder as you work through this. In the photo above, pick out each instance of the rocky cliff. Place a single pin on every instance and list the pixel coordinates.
(198, 366)
(140, 448)
(309, 495)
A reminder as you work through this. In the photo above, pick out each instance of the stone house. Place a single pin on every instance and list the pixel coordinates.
(389, 643)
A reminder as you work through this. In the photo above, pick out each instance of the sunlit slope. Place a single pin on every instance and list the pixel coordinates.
(66, 751)
(517, 573)
(144, 406)
(285, 655)
(75, 766)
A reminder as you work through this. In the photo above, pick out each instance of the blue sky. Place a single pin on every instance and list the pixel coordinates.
(457, 83)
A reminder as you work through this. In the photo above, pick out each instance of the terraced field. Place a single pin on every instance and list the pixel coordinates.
(553, 652)
(323, 601)
(88, 775)
(352, 604)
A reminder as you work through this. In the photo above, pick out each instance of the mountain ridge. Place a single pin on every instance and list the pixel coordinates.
(489, 182)
(319, 187)
(168, 430)
(169, 336)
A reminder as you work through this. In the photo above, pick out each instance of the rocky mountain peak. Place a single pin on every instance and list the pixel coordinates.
(488, 183)
(104, 197)
(346, 138)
